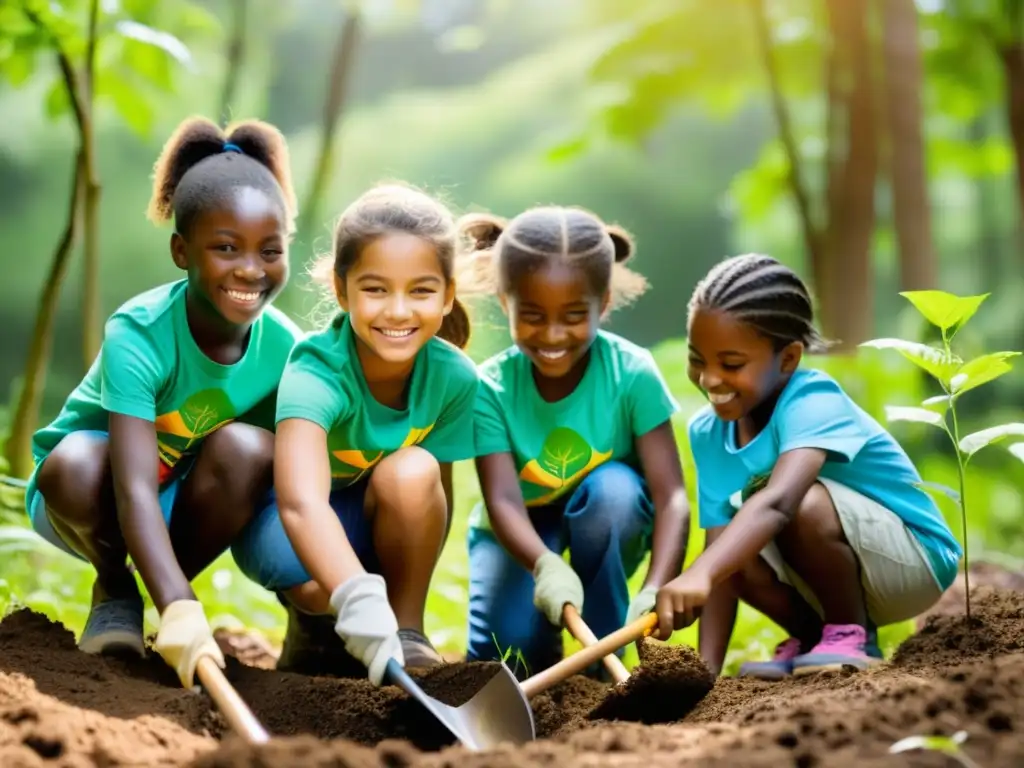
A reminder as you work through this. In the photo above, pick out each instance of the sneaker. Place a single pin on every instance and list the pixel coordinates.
(417, 649)
(842, 645)
(780, 666)
(114, 626)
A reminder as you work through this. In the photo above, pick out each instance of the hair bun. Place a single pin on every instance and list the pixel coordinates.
(623, 243)
(483, 229)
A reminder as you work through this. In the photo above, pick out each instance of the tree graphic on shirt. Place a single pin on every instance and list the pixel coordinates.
(565, 458)
(349, 465)
(180, 433)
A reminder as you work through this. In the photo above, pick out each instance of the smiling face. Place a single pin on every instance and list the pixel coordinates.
(554, 317)
(236, 255)
(734, 365)
(396, 295)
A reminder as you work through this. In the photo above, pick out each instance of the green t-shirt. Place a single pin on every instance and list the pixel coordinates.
(323, 383)
(150, 367)
(621, 396)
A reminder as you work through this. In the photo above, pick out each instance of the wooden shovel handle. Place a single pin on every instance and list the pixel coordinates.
(239, 716)
(582, 659)
(579, 629)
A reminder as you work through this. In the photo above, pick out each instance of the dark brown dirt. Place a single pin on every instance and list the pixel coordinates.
(60, 707)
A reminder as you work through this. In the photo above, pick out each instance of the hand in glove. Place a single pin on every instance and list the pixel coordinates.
(367, 624)
(184, 638)
(555, 584)
(641, 604)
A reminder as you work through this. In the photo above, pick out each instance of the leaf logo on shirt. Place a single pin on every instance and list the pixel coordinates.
(179, 432)
(754, 485)
(565, 458)
(351, 465)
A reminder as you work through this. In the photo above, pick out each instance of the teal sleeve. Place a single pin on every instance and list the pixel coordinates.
(131, 370)
(310, 390)
(650, 401)
(451, 439)
(490, 433)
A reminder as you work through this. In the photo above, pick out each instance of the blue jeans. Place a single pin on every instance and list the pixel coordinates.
(264, 553)
(606, 524)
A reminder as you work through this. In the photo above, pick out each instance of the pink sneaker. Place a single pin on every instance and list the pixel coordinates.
(842, 645)
(779, 667)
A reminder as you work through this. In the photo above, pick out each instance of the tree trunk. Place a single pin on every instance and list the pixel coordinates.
(809, 227)
(1013, 69)
(92, 318)
(853, 166)
(18, 450)
(334, 105)
(235, 56)
(903, 85)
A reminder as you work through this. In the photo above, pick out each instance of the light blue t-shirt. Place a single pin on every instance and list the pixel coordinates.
(813, 411)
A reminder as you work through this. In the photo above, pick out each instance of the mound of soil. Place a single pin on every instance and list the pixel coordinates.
(61, 707)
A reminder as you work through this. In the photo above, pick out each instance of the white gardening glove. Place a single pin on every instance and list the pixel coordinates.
(367, 624)
(184, 638)
(641, 604)
(555, 584)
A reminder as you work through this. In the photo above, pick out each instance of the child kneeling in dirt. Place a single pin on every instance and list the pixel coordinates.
(371, 413)
(150, 457)
(574, 441)
(812, 510)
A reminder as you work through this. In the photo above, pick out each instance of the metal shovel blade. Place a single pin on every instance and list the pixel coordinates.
(498, 712)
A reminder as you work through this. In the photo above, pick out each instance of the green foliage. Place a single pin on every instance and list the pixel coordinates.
(950, 313)
(947, 745)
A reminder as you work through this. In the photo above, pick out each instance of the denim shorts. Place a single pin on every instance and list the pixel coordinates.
(265, 554)
(37, 508)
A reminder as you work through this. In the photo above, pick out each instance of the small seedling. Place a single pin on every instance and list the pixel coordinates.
(948, 745)
(507, 653)
(949, 313)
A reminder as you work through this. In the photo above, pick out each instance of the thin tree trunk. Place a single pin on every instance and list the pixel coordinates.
(809, 228)
(92, 319)
(235, 57)
(851, 218)
(1013, 69)
(334, 105)
(18, 450)
(903, 80)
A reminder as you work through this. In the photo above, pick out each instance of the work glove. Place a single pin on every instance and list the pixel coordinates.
(555, 584)
(184, 638)
(641, 604)
(367, 624)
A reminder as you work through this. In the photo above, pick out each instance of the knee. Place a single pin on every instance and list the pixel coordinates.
(814, 522)
(609, 498)
(237, 459)
(407, 482)
(72, 478)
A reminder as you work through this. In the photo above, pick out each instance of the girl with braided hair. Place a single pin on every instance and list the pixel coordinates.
(165, 449)
(813, 511)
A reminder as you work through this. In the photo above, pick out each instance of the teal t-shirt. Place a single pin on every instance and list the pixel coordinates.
(150, 367)
(323, 383)
(621, 396)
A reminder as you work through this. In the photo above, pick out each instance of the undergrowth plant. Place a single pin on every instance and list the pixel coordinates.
(949, 313)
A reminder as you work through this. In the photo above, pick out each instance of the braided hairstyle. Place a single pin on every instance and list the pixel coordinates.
(764, 293)
(398, 208)
(201, 165)
(541, 236)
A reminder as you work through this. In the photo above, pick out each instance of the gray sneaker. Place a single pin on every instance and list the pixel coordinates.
(113, 626)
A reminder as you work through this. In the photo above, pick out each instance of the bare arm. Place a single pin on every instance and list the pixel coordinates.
(134, 462)
(446, 485)
(504, 500)
(302, 478)
(717, 619)
(763, 515)
(663, 470)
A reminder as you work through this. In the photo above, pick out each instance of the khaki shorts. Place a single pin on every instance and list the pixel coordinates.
(895, 571)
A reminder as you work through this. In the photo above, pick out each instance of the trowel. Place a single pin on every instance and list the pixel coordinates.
(498, 713)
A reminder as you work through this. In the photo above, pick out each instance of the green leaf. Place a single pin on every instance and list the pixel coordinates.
(57, 101)
(935, 361)
(949, 745)
(165, 41)
(19, 66)
(567, 150)
(938, 488)
(940, 403)
(130, 105)
(564, 453)
(982, 370)
(1017, 449)
(908, 413)
(975, 441)
(14, 22)
(944, 310)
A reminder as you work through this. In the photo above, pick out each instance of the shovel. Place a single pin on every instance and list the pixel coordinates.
(498, 712)
(235, 711)
(579, 629)
(580, 660)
